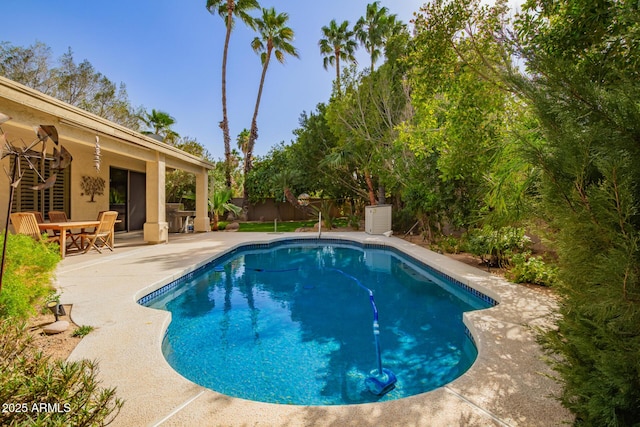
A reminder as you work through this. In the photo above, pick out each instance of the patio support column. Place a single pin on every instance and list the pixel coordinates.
(201, 222)
(156, 229)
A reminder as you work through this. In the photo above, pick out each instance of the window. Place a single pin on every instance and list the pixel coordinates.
(55, 198)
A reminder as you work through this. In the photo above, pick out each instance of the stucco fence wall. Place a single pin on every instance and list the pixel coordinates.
(270, 209)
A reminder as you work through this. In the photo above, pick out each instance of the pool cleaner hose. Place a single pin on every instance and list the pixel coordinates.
(382, 380)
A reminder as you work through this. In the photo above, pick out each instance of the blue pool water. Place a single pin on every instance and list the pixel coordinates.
(290, 324)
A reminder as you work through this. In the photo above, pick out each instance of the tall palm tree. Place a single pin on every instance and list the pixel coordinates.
(372, 29)
(227, 9)
(160, 122)
(243, 141)
(274, 37)
(338, 44)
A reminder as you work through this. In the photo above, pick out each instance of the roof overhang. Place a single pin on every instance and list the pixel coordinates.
(81, 127)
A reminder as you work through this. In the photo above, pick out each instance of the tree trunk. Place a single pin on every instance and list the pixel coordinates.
(337, 54)
(372, 193)
(291, 198)
(224, 125)
(382, 197)
(216, 219)
(253, 133)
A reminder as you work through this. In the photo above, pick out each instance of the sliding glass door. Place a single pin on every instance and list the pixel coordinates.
(127, 196)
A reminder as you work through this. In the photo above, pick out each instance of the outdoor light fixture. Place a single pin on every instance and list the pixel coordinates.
(56, 308)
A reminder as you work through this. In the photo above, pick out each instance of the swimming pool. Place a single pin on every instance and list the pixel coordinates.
(290, 322)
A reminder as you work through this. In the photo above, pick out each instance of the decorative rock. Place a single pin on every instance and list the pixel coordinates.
(232, 226)
(315, 227)
(56, 327)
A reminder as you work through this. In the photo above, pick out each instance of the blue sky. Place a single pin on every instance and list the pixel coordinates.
(169, 55)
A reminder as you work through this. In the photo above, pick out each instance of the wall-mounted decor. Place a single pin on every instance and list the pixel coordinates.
(34, 155)
(92, 186)
(97, 155)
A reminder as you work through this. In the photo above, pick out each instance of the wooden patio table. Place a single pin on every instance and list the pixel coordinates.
(62, 227)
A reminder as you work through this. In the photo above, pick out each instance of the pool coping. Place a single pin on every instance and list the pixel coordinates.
(509, 384)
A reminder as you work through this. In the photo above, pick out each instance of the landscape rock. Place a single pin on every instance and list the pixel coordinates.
(56, 327)
(232, 226)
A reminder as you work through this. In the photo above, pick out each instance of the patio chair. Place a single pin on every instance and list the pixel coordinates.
(40, 220)
(38, 215)
(90, 230)
(26, 223)
(75, 239)
(102, 233)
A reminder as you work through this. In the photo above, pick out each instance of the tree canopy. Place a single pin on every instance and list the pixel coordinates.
(582, 61)
(78, 84)
(480, 121)
(476, 122)
(338, 44)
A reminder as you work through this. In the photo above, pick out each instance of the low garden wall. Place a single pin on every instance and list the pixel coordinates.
(270, 209)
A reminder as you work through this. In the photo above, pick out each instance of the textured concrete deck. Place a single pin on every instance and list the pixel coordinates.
(507, 386)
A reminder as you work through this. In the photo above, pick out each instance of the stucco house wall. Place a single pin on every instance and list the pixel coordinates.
(120, 147)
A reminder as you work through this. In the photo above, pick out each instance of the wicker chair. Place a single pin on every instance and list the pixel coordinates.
(26, 223)
(103, 232)
(74, 239)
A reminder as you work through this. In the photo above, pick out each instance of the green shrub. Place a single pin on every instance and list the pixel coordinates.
(494, 247)
(49, 393)
(403, 220)
(354, 221)
(527, 269)
(326, 208)
(29, 268)
(449, 245)
(83, 330)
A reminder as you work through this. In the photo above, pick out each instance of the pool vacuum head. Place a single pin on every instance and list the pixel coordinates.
(381, 384)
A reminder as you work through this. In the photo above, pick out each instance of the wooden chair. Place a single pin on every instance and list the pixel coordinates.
(38, 215)
(40, 220)
(75, 239)
(90, 230)
(26, 223)
(103, 232)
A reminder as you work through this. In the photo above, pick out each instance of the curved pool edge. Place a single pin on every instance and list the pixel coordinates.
(460, 288)
(127, 342)
(157, 289)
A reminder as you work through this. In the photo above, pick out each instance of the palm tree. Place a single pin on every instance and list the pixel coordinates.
(227, 9)
(243, 141)
(338, 44)
(274, 37)
(220, 203)
(160, 122)
(373, 29)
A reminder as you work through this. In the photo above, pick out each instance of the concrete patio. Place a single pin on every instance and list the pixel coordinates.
(507, 386)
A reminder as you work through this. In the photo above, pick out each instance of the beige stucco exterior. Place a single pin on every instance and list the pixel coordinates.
(120, 147)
